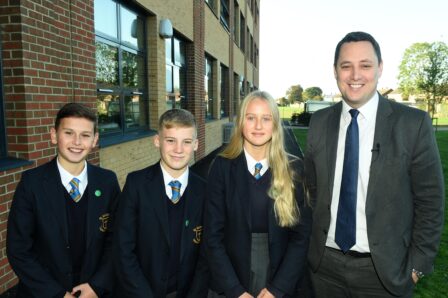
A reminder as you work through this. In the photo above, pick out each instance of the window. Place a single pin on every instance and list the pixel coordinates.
(224, 91)
(236, 19)
(122, 95)
(211, 4)
(236, 93)
(242, 32)
(225, 16)
(208, 81)
(176, 73)
(3, 151)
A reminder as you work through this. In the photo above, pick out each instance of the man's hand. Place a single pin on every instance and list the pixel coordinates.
(85, 291)
(246, 295)
(265, 294)
(68, 295)
(414, 277)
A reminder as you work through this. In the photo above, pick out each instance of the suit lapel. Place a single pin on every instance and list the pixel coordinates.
(155, 190)
(383, 130)
(331, 144)
(52, 186)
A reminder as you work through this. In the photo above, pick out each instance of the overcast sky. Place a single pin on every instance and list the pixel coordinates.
(298, 37)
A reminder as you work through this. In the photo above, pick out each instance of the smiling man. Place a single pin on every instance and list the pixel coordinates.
(157, 248)
(375, 179)
(59, 238)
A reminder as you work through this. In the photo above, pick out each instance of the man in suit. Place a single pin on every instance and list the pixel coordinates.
(159, 226)
(376, 184)
(59, 241)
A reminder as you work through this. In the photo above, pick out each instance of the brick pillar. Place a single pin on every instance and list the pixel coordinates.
(48, 51)
(195, 74)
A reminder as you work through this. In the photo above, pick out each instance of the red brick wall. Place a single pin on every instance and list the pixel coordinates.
(48, 50)
(195, 74)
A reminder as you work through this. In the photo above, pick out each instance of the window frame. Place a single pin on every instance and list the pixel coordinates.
(121, 90)
(182, 69)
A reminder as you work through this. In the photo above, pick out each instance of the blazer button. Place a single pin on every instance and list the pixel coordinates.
(325, 231)
(328, 207)
(68, 247)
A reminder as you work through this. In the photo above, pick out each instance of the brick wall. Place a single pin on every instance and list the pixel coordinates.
(48, 60)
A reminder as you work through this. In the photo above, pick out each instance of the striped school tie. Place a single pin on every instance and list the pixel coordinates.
(257, 173)
(175, 187)
(74, 192)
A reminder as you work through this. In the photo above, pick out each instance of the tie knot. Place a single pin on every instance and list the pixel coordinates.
(175, 187)
(354, 113)
(75, 182)
(175, 184)
(257, 173)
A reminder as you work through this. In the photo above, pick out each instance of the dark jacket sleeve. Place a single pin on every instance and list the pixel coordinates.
(199, 285)
(215, 221)
(129, 272)
(103, 279)
(20, 241)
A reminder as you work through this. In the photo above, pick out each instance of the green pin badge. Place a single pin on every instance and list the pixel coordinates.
(187, 222)
(98, 193)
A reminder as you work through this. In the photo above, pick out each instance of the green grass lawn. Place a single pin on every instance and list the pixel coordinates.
(286, 112)
(436, 284)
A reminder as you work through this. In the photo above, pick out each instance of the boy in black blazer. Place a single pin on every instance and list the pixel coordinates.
(59, 241)
(159, 225)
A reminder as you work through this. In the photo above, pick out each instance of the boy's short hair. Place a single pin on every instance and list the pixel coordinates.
(78, 111)
(177, 118)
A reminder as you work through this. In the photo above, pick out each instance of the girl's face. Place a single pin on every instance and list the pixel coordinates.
(258, 125)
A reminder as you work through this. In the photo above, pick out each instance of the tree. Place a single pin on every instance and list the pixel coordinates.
(313, 93)
(424, 69)
(282, 101)
(294, 93)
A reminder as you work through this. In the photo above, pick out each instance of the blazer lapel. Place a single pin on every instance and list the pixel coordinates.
(331, 144)
(52, 186)
(94, 203)
(192, 208)
(239, 172)
(155, 190)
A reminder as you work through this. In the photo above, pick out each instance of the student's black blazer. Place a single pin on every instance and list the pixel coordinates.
(37, 241)
(228, 232)
(142, 243)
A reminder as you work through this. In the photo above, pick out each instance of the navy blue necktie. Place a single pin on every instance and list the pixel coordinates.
(346, 221)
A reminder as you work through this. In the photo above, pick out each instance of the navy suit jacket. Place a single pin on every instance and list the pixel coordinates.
(405, 195)
(228, 232)
(142, 243)
(37, 242)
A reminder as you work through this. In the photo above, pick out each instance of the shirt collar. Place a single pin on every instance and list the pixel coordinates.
(183, 178)
(367, 111)
(251, 163)
(66, 177)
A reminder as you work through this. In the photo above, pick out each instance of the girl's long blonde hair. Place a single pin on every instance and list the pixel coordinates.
(282, 185)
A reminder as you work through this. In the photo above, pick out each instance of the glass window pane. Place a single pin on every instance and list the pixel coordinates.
(133, 70)
(106, 17)
(106, 65)
(168, 48)
(108, 106)
(131, 28)
(179, 52)
(169, 78)
(135, 111)
(176, 80)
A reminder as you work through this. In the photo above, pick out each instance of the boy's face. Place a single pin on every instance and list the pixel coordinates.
(177, 145)
(75, 139)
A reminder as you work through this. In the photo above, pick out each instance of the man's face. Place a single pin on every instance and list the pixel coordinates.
(357, 72)
(75, 138)
(177, 145)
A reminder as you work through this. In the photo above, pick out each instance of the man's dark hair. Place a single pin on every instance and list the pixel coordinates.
(75, 110)
(354, 37)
